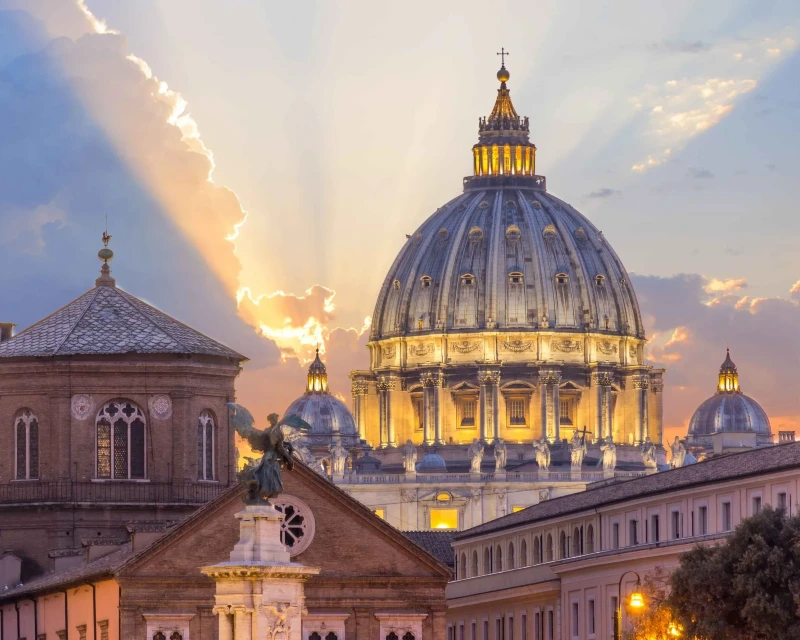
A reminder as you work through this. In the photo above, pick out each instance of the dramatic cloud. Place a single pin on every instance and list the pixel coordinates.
(688, 336)
(680, 108)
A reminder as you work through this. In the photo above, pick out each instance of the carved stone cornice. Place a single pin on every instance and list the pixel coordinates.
(386, 383)
(549, 376)
(489, 377)
(657, 387)
(421, 349)
(464, 346)
(606, 347)
(431, 379)
(359, 388)
(602, 378)
(566, 346)
(517, 346)
(641, 382)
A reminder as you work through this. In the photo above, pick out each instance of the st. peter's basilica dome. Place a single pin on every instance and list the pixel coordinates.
(328, 416)
(506, 255)
(729, 410)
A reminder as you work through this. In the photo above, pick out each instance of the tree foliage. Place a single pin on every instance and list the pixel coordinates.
(745, 589)
(655, 621)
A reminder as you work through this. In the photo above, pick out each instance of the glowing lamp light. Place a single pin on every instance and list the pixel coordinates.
(674, 630)
(637, 599)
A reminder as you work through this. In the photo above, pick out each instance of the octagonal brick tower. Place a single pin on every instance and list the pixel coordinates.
(507, 314)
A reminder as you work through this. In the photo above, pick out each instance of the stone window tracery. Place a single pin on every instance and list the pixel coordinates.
(26, 436)
(121, 439)
(298, 526)
(206, 427)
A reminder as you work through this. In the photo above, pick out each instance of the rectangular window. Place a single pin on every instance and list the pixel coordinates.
(510, 635)
(634, 532)
(565, 411)
(727, 525)
(590, 617)
(450, 633)
(575, 624)
(485, 630)
(756, 505)
(416, 402)
(551, 625)
(655, 533)
(444, 518)
(468, 408)
(537, 626)
(516, 411)
(702, 517)
(498, 629)
(675, 525)
(473, 632)
(615, 535)
(782, 500)
(523, 632)
(461, 631)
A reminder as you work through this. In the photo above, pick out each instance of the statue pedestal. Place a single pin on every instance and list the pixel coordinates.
(259, 590)
(500, 476)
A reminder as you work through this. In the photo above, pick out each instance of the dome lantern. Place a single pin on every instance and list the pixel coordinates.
(504, 148)
(317, 377)
(728, 375)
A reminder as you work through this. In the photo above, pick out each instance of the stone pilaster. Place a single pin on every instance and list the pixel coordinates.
(432, 382)
(386, 385)
(489, 381)
(640, 386)
(657, 389)
(359, 389)
(549, 380)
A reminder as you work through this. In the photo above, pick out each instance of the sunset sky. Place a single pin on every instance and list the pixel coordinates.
(260, 164)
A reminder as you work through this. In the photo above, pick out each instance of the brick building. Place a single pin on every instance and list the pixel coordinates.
(373, 580)
(116, 415)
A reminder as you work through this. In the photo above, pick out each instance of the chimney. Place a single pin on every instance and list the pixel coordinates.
(6, 330)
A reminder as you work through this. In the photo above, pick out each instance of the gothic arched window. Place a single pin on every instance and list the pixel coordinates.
(590, 539)
(205, 446)
(26, 436)
(331, 636)
(563, 546)
(463, 570)
(537, 551)
(487, 561)
(314, 636)
(474, 563)
(176, 635)
(498, 559)
(408, 636)
(576, 542)
(548, 550)
(511, 555)
(392, 636)
(121, 441)
(523, 554)
(158, 635)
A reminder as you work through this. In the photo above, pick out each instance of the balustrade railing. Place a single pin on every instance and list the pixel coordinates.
(443, 478)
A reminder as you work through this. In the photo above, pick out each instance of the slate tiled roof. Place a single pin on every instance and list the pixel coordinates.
(108, 321)
(738, 465)
(437, 543)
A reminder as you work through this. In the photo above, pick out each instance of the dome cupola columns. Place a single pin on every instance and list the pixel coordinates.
(504, 147)
(317, 377)
(728, 375)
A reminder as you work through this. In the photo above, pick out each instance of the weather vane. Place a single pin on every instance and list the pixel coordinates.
(503, 53)
(106, 236)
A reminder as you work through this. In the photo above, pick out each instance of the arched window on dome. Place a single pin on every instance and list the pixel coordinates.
(474, 564)
(396, 285)
(205, 445)
(599, 280)
(562, 279)
(515, 277)
(425, 281)
(468, 279)
(121, 441)
(26, 436)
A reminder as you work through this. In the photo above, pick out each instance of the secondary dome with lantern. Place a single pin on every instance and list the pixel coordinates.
(729, 410)
(506, 255)
(329, 417)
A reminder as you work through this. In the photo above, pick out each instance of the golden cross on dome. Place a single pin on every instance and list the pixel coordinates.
(503, 53)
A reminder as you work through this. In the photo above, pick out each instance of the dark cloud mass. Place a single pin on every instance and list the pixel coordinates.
(605, 192)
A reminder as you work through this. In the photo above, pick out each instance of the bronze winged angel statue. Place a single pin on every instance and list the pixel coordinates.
(263, 481)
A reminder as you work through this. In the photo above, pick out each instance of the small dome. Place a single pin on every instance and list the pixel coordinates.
(729, 409)
(432, 462)
(327, 415)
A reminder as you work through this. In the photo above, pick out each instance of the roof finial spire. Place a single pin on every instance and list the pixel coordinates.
(106, 255)
(503, 53)
(503, 75)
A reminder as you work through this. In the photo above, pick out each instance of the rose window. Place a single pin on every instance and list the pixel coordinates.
(297, 528)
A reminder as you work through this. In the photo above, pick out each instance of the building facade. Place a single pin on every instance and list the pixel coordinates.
(115, 413)
(553, 571)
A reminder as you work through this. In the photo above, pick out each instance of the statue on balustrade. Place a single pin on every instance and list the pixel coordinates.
(649, 454)
(263, 480)
(410, 457)
(678, 453)
(475, 453)
(500, 455)
(608, 454)
(338, 459)
(577, 448)
(542, 451)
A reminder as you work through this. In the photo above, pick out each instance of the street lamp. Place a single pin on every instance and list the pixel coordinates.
(674, 630)
(636, 602)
